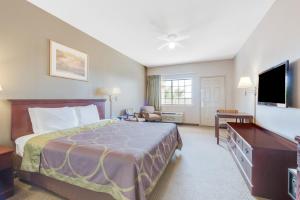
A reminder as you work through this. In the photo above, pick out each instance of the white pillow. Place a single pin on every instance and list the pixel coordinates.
(87, 114)
(46, 120)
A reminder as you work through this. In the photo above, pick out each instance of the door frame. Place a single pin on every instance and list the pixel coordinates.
(200, 96)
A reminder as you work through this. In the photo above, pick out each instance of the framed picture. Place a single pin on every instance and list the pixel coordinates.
(67, 62)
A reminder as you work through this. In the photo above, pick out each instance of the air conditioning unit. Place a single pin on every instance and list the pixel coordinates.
(174, 117)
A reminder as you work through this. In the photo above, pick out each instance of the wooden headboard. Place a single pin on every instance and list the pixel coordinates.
(20, 120)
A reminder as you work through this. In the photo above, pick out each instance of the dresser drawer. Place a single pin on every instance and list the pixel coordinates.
(298, 156)
(229, 134)
(246, 167)
(239, 141)
(6, 161)
(233, 135)
(232, 145)
(6, 173)
(229, 131)
(292, 183)
(247, 150)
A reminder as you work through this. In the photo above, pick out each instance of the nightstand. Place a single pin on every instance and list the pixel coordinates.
(6, 173)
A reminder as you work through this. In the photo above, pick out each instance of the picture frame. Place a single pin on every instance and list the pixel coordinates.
(67, 62)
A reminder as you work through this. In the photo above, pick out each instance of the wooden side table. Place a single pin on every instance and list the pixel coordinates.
(6, 173)
(241, 116)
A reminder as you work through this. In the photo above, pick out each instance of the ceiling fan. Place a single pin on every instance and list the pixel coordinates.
(172, 41)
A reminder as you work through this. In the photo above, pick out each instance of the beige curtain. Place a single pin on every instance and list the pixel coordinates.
(153, 91)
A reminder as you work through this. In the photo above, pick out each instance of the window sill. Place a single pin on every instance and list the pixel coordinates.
(177, 105)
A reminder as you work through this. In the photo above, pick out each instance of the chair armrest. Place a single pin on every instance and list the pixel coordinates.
(137, 115)
(157, 112)
(145, 115)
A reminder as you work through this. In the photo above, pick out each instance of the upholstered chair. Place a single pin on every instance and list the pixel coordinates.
(149, 114)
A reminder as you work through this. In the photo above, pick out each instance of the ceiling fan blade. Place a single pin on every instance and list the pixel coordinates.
(179, 45)
(182, 38)
(162, 46)
(163, 38)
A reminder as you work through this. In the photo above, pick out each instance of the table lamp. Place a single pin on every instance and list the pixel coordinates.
(110, 92)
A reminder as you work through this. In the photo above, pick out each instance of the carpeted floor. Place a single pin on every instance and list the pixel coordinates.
(202, 170)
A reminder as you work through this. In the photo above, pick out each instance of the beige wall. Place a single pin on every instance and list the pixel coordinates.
(196, 71)
(25, 31)
(276, 39)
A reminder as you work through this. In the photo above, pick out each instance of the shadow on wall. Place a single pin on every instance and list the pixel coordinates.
(294, 83)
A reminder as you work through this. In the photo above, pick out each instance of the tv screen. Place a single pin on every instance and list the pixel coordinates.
(272, 86)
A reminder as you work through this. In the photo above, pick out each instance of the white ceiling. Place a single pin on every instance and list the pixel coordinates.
(217, 28)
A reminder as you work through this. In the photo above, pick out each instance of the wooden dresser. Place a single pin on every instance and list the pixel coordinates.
(263, 158)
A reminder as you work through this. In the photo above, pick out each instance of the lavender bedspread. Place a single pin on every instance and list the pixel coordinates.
(123, 159)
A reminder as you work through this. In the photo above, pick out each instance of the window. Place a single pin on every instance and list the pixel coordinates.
(177, 91)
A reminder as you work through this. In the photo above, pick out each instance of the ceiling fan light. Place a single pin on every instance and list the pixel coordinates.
(172, 45)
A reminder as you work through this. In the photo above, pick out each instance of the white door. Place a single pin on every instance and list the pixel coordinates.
(212, 98)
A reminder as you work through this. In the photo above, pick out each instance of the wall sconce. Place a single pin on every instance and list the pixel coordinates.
(116, 91)
(246, 83)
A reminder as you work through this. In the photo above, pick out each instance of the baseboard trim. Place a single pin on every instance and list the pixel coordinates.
(188, 124)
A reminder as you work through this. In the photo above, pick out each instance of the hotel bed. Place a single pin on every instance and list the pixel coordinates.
(103, 160)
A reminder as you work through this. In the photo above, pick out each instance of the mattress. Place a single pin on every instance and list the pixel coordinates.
(21, 141)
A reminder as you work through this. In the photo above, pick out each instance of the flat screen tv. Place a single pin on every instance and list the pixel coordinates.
(272, 86)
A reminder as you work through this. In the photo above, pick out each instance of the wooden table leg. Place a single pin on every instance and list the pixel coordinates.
(217, 128)
(251, 120)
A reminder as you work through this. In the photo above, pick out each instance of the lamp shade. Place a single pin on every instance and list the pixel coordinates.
(1, 88)
(107, 91)
(245, 82)
(102, 92)
(116, 91)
